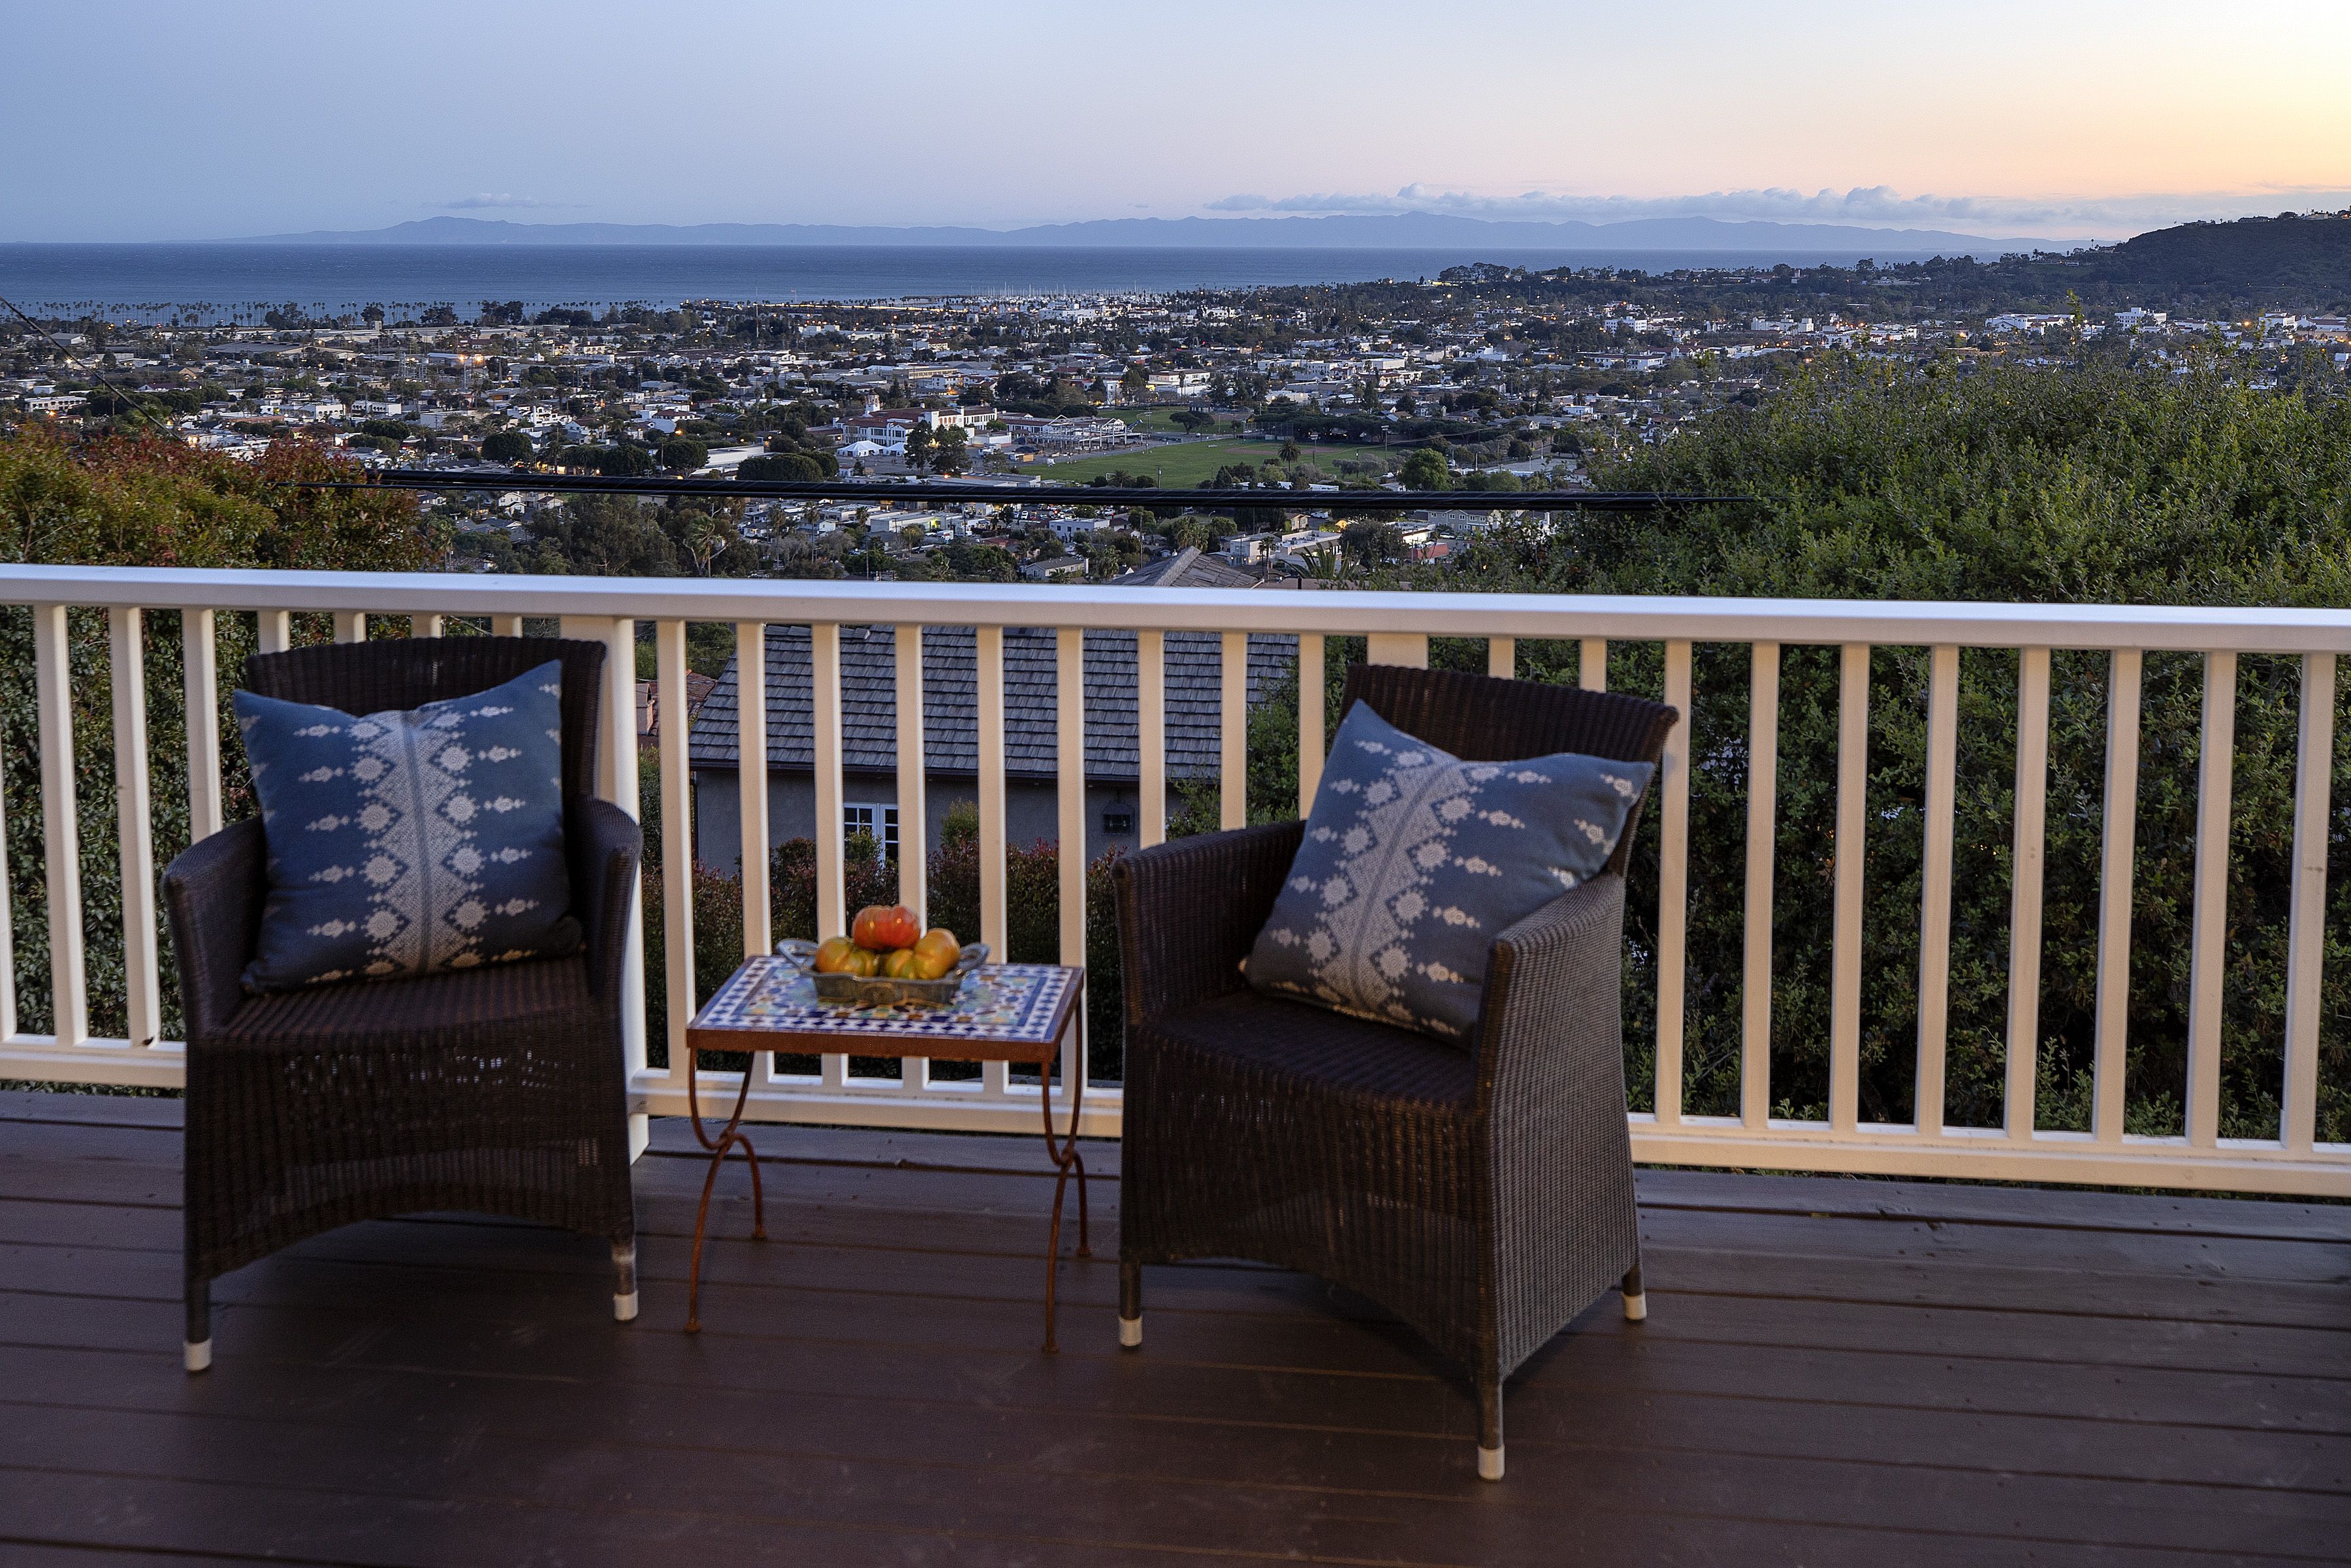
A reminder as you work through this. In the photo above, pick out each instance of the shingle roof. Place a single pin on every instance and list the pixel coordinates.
(1187, 568)
(869, 722)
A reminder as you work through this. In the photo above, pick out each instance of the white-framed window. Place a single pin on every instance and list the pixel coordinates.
(881, 821)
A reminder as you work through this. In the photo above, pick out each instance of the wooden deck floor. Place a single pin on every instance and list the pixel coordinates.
(1832, 1372)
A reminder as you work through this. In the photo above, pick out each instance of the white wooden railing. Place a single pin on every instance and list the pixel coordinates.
(1398, 626)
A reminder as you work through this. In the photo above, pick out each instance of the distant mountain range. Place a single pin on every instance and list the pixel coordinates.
(1402, 231)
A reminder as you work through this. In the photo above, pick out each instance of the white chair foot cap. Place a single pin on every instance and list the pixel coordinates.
(198, 1356)
(1489, 1464)
(1130, 1331)
(624, 1307)
(1636, 1307)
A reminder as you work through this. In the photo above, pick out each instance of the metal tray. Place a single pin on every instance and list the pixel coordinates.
(876, 990)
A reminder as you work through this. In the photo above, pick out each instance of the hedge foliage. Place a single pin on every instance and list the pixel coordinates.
(2099, 485)
(148, 502)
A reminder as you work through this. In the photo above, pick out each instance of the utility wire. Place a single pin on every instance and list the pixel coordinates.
(114, 391)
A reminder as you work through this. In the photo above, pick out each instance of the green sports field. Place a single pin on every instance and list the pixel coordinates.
(1187, 463)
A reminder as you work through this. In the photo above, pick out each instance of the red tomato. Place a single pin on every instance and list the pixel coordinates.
(885, 927)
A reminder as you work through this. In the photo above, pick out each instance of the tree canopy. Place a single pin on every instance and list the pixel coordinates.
(2101, 485)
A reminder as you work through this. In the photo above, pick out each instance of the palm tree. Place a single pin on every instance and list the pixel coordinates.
(1329, 563)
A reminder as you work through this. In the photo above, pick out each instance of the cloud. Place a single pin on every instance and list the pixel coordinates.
(498, 199)
(2073, 217)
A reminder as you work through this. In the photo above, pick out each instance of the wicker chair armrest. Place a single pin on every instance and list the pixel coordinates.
(1188, 912)
(1553, 1007)
(603, 844)
(213, 895)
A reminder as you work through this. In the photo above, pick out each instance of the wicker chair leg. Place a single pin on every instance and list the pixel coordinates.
(196, 1349)
(1636, 1303)
(624, 1284)
(1130, 1303)
(1490, 1428)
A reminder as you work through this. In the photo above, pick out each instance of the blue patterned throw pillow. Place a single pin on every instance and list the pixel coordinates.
(409, 844)
(1415, 861)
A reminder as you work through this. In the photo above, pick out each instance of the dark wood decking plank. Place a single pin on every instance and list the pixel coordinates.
(17, 1552)
(2154, 1255)
(834, 1461)
(1953, 1203)
(1009, 1270)
(2040, 1208)
(1294, 1330)
(903, 1309)
(810, 1355)
(89, 1109)
(1920, 1373)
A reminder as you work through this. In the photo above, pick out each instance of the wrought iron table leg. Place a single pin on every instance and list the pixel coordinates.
(730, 1136)
(1065, 1154)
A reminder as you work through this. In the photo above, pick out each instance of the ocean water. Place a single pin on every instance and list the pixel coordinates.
(157, 282)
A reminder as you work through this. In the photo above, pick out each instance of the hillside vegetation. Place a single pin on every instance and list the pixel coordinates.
(2099, 485)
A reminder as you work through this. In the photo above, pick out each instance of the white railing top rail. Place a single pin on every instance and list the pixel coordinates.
(2152, 627)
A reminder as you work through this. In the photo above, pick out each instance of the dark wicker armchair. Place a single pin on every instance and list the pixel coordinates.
(497, 1090)
(1484, 1196)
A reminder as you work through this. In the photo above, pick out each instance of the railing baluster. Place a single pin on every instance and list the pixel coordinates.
(2306, 935)
(1502, 658)
(200, 667)
(1591, 664)
(2209, 910)
(617, 754)
(1232, 724)
(1852, 825)
(988, 675)
(1396, 648)
(126, 648)
(1762, 829)
(350, 626)
(427, 625)
(2026, 860)
(1935, 890)
(751, 783)
(616, 782)
(60, 823)
(2112, 1028)
(832, 871)
(1673, 884)
(1070, 801)
(1312, 744)
(506, 625)
(914, 831)
(273, 630)
(678, 840)
(7, 937)
(1151, 735)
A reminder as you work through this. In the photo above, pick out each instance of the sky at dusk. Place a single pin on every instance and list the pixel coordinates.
(2057, 121)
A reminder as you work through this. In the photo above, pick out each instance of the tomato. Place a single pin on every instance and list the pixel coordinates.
(861, 961)
(833, 955)
(883, 927)
(936, 953)
(901, 964)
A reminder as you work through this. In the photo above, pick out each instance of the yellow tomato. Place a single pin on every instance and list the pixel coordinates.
(936, 953)
(901, 965)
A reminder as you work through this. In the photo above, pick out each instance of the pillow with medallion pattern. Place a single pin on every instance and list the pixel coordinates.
(1415, 861)
(409, 843)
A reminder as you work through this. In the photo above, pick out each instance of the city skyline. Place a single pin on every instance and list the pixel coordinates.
(2092, 124)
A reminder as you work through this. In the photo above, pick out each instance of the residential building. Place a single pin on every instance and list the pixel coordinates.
(951, 732)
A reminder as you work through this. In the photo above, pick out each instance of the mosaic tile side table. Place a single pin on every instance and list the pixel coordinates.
(1016, 1013)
